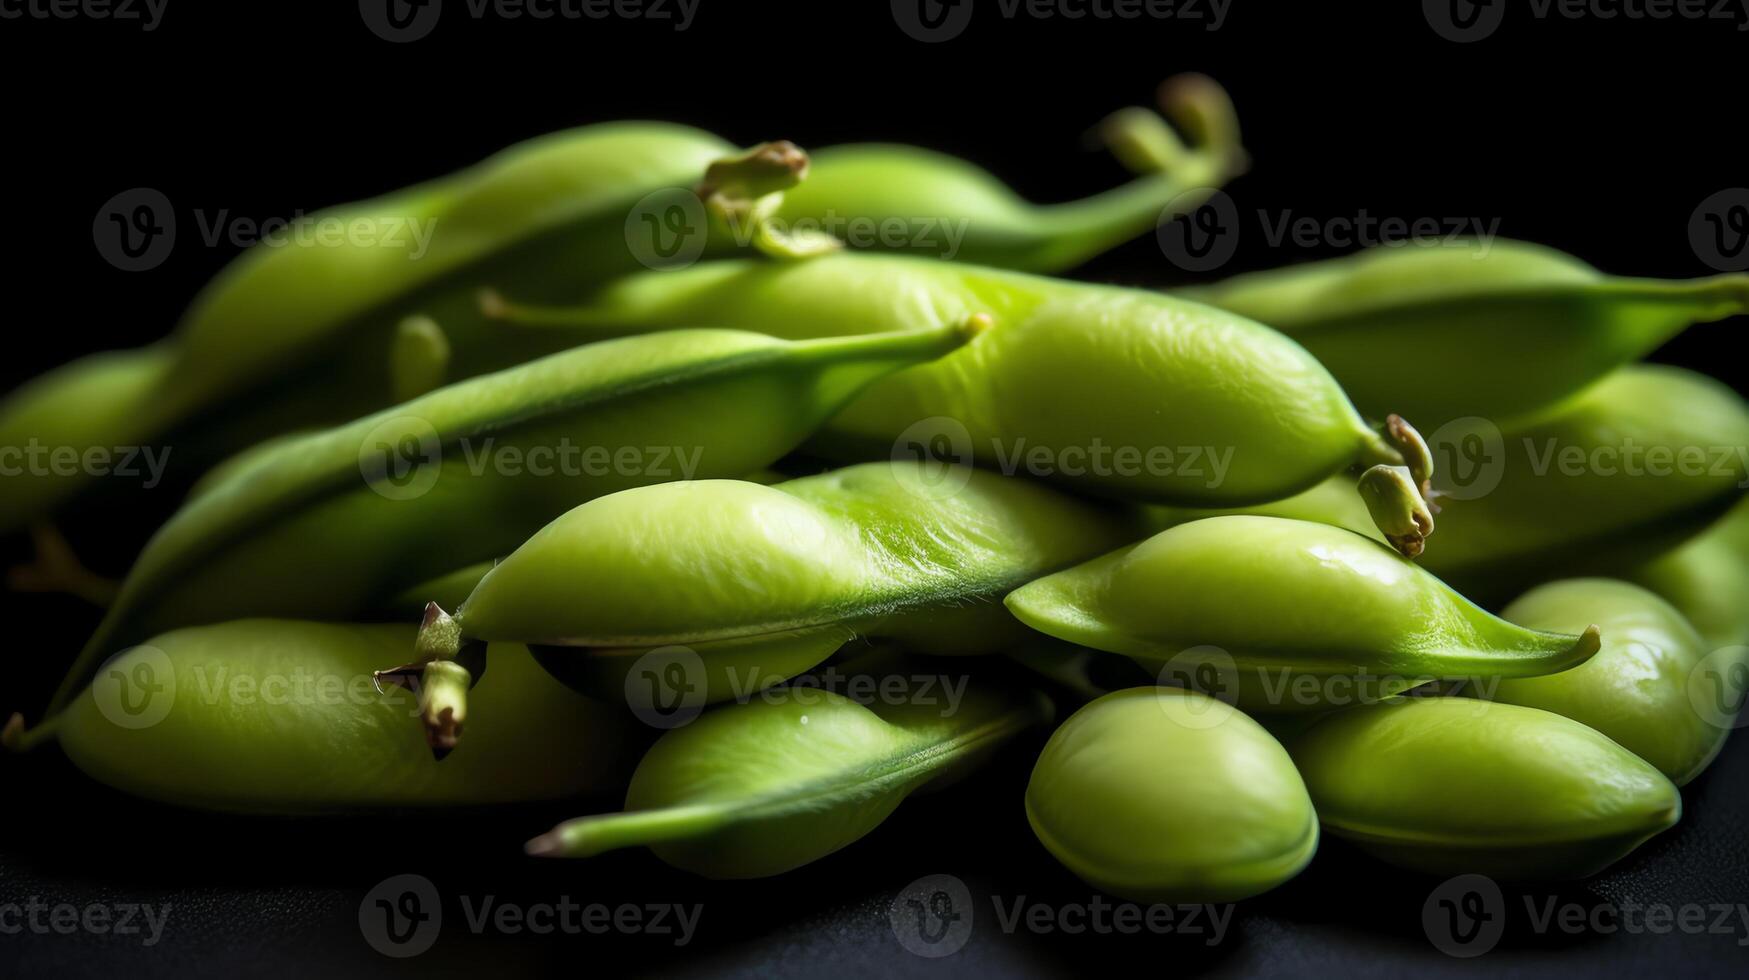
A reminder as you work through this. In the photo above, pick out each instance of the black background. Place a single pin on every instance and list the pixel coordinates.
(1597, 136)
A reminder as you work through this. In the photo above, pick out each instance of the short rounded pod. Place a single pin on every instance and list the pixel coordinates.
(1165, 795)
(1451, 786)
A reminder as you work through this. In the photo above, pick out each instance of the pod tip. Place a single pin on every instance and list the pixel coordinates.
(975, 325)
(13, 732)
(493, 305)
(1589, 643)
(546, 845)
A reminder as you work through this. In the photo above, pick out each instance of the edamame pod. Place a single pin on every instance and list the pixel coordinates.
(335, 522)
(1636, 690)
(307, 331)
(306, 327)
(1124, 392)
(1158, 794)
(1495, 329)
(278, 716)
(1285, 615)
(1634, 465)
(1453, 786)
(1707, 579)
(758, 788)
(755, 584)
(954, 210)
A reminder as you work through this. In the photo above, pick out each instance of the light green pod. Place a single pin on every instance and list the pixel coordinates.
(1158, 794)
(1285, 616)
(1636, 464)
(759, 583)
(1636, 690)
(952, 209)
(301, 333)
(1451, 786)
(1496, 329)
(277, 716)
(330, 524)
(1124, 392)
(1706, 579)
(756, 789)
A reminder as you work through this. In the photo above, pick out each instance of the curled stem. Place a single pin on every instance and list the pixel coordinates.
(57, 569)
(742, 192)
(1144, 142)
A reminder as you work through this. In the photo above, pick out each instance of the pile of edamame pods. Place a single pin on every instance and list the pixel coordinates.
(1329, 636)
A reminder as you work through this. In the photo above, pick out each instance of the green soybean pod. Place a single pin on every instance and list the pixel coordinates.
(335, 522)
(1167, 795)
(280, 716)
(1451, 786)
(758, 788)
(1707, 579)
(1631, 467)
(955, 210)
(1496, 328)
(759, 583)
(300, 332)
(1125, 392)
(1285, 615)
(1636, 690)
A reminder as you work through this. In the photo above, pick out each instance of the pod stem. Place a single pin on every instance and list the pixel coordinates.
(17, 738)
(742, 192)
(447, 665)
(57, 568)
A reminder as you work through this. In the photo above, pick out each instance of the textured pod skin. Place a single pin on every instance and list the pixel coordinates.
(1570, 496)
(277, 716)
(1441, 332)
(1167, 795)
(1452, 786)
(1067, 369)
(759, 788)
(1270, 601)
(1707, 580)
(778, 577)
(1636, 690)
(309, 528)
(299, 335)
